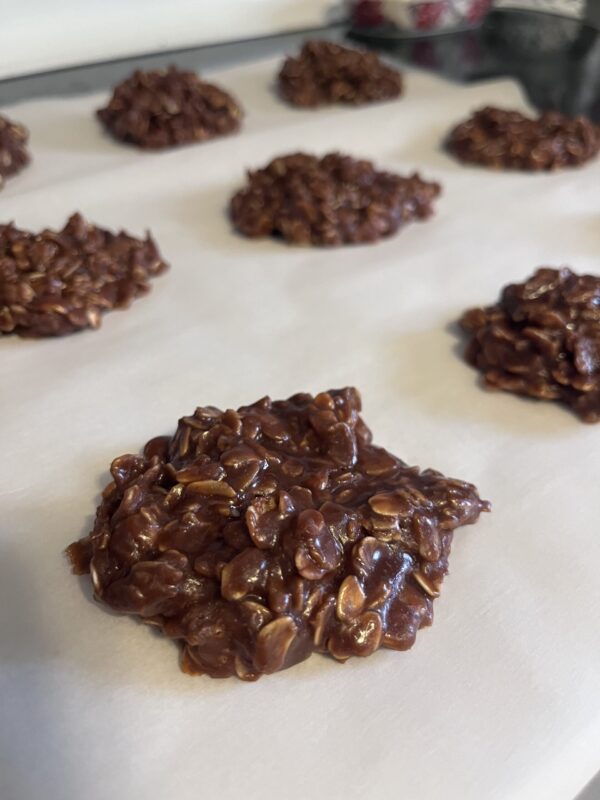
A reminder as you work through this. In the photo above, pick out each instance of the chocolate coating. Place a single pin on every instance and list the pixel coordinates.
(57, 282)
(170, 107)
(542, 339)
(325, 72)
(255, 537)
(501, 139)
(14, 154)
(332, 200)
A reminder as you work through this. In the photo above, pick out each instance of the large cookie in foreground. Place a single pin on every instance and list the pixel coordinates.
(330, 201)
(542, 339)
(14, 154)
(501, 139)
(325, 72)
(57, 282)
(255, 537)
(166, 108)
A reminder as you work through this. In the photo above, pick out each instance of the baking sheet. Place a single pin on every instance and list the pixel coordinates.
(500, 699)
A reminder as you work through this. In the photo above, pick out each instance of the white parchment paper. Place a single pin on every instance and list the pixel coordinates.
(500, 699)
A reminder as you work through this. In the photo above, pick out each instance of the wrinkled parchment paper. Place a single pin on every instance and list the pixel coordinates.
(500, 699)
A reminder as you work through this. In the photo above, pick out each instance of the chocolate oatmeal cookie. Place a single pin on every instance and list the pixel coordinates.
(165, 108)
(333, 200)
(542, 339)
(325, 72)
(501, 139)
(13, 148)
(258, 536)
(57, 282)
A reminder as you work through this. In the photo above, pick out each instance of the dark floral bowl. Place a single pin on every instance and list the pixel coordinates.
(399, 17)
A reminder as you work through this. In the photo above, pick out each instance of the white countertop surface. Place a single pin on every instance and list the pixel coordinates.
(37, 35)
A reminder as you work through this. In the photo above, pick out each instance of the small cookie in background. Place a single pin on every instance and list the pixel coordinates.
(167, 108)
(494, 137)
(58, 282)
(14, 155)
(325, 73)
(330, 201)
(542, 339)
